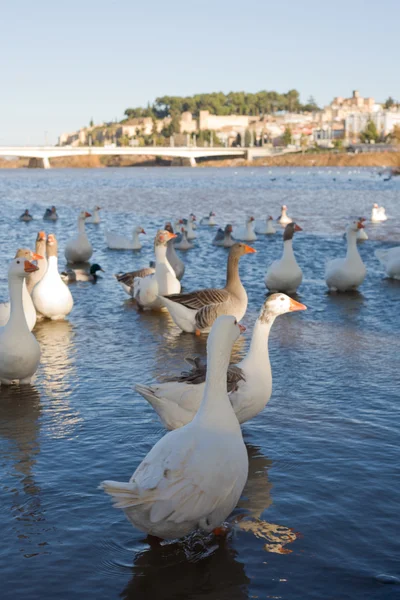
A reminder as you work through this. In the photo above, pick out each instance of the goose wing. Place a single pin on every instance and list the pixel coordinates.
(200, 298)
(198, 371)
(127, 278)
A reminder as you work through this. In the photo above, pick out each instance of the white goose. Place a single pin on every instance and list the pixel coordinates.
(267, 228)
(19, 349)
(247, 233)
(224, 238)
(29, 308)
(378, 214)
(249, 383)
(95, 218)
(284, 219)
(146, 290)
(79, 249)
(343, 274)
(183, 243)
(189, 226)
(193, 477)
(210, 220)
(390, 260)
(285, 275)
(51, 295)
(362, 234)
(115, 241)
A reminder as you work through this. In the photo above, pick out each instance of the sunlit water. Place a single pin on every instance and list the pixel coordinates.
(323, 497)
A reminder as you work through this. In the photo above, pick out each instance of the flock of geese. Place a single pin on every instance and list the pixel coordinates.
(193, 477)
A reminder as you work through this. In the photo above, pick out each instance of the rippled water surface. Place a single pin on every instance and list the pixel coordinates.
(323, 496)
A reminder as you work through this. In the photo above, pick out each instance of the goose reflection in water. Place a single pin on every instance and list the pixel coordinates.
(20, 413)
(201, 566)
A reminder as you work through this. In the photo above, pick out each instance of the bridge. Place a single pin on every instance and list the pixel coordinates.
(41, 155)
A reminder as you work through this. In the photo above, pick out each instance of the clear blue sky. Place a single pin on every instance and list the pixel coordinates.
(65, 62)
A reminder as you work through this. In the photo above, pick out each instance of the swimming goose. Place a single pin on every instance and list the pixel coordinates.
(224, 238)
(115, 241)
(189, 226)
(146, 290)
(210, 220)
(285, 275)
(51, 295)
(390, 260)
(183, 243)
(362, 234)
(193, 477)
(284, 219)
(247, 233)
(196, 312)
(19, 349)
(176, 263)
(26, 216)
(249, 383)
(95, 218)
(50, 214)
(378, 214)
(79, 249)
(29, 308)
(266, 229)
(343, 274)
(74, 275)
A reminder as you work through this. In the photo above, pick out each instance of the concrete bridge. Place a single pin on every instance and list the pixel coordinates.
(40, 155)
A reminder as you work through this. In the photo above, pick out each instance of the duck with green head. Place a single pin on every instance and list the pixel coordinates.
(74, 275)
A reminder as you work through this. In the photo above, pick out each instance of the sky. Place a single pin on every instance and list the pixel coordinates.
(63, 63)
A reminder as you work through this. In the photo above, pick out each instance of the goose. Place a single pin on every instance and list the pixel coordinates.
(378, 214)
(284, 218)
(146, 290)
(79, 249)
(126, 279)
(210, 220)
(95, 218)
(390, 260)
(115, 241)
(196, 312)
(343, 274)
(51, 295)
(183, 243)
(224, 238)
(29, 308)
(285, 275)
(50, 214)
(249, 383)
(268, 228)
(74, 275)
(189, 226)
(26, 216)
(247, 233)
(193, 477)
(361, 233)
(19, 349)
(176, 263)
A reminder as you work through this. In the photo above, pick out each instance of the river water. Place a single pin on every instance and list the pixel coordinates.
(323, 495)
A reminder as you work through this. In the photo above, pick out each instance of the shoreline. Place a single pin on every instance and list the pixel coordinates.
(317, 159)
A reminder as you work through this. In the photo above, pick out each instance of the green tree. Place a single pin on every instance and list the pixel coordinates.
(91, 122)
(287, 136)
(370, 133)
(389, 103)
(247, 138)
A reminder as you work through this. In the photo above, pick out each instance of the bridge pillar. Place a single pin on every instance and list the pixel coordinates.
(39, 163)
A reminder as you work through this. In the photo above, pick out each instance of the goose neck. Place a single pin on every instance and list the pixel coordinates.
(81, 225)
(352, 249)
(17, 318)
(52, 265)
(258, 350)
(288, 253)
(215, 404)
(232, 274)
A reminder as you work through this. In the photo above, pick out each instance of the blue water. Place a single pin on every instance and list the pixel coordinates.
(323, 495)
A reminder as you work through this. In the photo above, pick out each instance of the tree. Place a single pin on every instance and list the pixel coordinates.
(247, 138)
(311, 105)
(287, 136)
(370, 133)
(389, 103)
(91, 122)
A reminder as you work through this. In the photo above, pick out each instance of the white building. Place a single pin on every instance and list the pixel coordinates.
(385, 122)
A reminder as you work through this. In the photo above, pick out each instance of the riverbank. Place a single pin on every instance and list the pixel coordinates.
(317, 159)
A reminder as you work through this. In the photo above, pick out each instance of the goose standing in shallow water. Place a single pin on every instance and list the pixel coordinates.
(247, 233)
(115, 241)
(193, 477)
(79, 249)
(51, 295)
(147, 290)
(267, 228)
(344, 274)
(224, 238)
(26, 216)
(378, 214)
(196, 311)
(95, 218)
(19, 349)
(249, 383)
(284, 219)
(285, 275)
(390, 260)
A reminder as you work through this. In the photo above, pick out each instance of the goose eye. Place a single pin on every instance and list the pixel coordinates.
(235, 322)
(282, 298)
(17, 262)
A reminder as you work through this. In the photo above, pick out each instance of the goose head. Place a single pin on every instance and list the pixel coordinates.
(192, 217)
(53, 210)
(27, 254)
(279, 304)
(139, 229)
(212, 214)
(26, 213)
(289, 231)
(51, 245)
(20, 268)
(354, 226)
(228, 229)
(270, 218)
(84, 215)
(168, 227)
(239, 249)
(249, 220)
(162, 237)
(375, 205)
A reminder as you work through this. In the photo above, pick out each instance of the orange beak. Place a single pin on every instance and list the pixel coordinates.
(242, 328)
(143, 231)
(42, 235)
(360, 225)
(297, 228)
(249, 249)
(296, 305)
(87, 215)
(36, 256)
(170, 236)
(30, 267)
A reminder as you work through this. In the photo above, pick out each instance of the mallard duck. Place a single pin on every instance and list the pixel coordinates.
(74, 275)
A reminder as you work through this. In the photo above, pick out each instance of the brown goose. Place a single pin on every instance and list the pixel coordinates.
(126, 279)
(196, 312)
